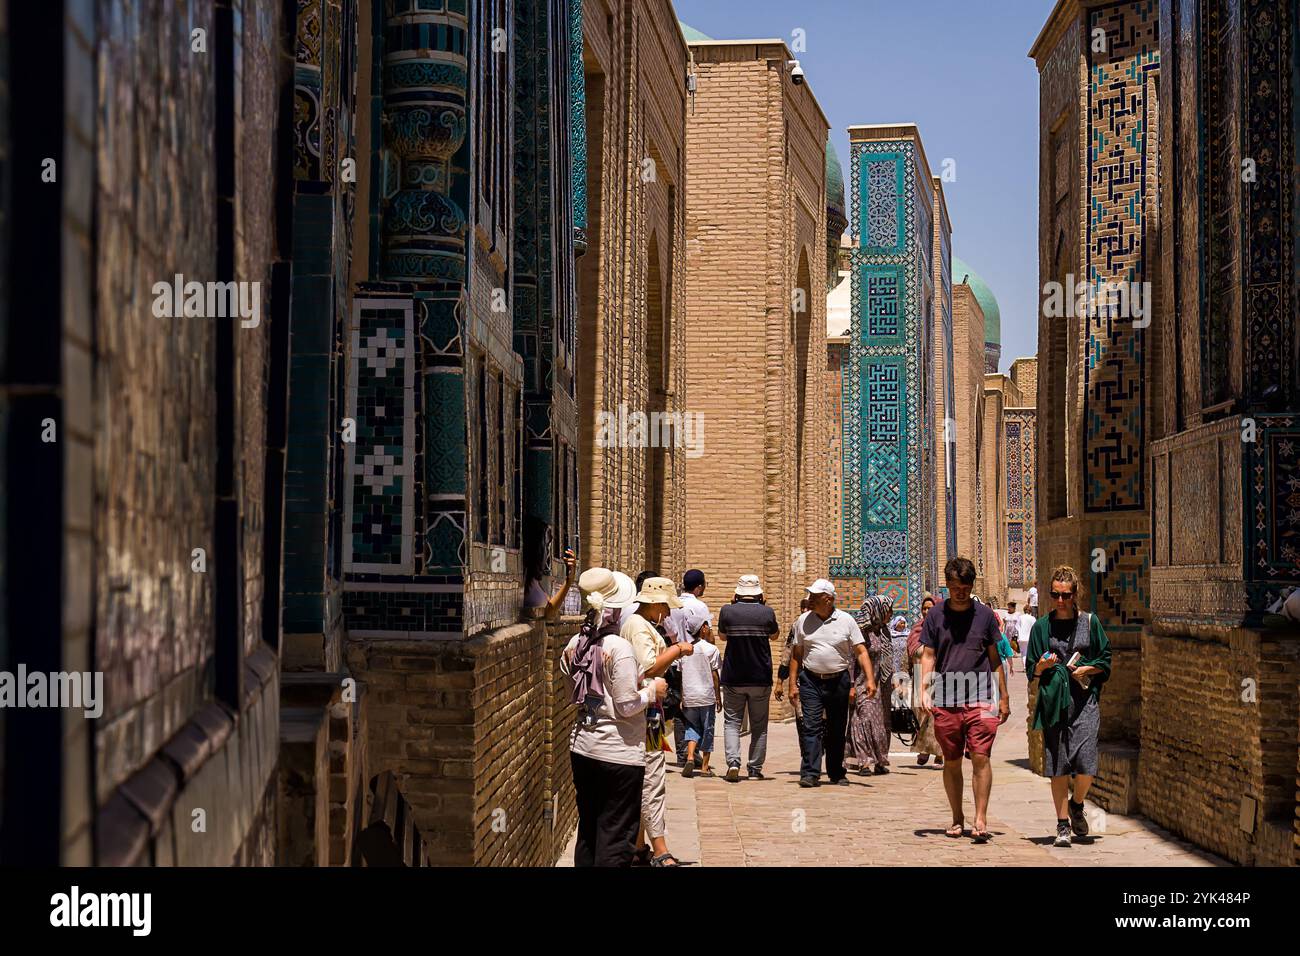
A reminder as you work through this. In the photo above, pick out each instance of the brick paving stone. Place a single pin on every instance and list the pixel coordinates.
(897, 819)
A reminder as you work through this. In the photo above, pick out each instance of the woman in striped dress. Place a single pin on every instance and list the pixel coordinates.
(866, 743)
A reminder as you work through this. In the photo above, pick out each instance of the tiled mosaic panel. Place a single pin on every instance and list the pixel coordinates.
(885, 402)
(1014, 494)
(883, 530)
(307, 90)
(381, 400)
(1015, 554)
(1119, 594)
(1267, 130)
(578, 118)
(884, 548)
(397, 609)
(882, 203)
(883, 292)
(850, 593)
(895, 589)
(1122, 81)
(1020, 510)
(1273, 489)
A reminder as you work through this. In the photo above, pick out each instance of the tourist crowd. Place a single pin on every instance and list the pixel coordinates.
(646, 669)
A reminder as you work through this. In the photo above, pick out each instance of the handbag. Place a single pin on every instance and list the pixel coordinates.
(672, 704)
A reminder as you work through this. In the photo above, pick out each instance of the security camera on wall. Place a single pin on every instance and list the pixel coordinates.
(796, 72)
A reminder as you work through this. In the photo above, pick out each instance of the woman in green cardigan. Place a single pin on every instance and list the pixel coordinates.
(1068, 712)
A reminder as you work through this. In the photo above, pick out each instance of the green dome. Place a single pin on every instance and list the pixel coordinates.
(984, 296)
(692, 35)
(834, 179)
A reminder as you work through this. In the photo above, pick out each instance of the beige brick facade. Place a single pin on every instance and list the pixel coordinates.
(756, 234)
(968, 386)
(632, 285)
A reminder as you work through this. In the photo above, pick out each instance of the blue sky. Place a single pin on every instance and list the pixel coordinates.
(960, 70)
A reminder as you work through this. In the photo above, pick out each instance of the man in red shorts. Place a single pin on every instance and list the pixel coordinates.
(965, 688)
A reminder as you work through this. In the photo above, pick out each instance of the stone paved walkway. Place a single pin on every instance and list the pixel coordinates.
(895, 819)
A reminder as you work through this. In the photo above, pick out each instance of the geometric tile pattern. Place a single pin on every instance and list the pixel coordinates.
(1020, 504)
(578, 121)
(1273, 505)
(1269, 36)
(882, 204)
(1015, 554)
(1122, 81)
(378, 510)
(885, 403)
(1119, 592)
(887, 536)
(884, 294)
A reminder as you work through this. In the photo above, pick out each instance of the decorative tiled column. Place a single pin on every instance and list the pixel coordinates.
(578, 125)
(405, 503)
(888, 488)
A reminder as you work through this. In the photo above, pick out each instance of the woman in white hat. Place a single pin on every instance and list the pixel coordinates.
(655, 599)
(607, 746)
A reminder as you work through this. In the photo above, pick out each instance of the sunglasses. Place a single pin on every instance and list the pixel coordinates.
(1062, 595)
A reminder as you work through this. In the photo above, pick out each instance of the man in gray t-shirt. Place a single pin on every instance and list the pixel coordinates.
(825, 641)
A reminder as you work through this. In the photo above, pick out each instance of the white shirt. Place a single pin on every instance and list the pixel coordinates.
(691, 616)
(697, 675)
(613, 738)
(1027, 622)
(827, 645)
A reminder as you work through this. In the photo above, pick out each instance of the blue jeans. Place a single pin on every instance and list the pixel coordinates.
(699, 723)
(825, 705)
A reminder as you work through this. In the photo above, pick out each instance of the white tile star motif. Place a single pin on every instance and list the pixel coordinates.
(377, 471)
(381, 353)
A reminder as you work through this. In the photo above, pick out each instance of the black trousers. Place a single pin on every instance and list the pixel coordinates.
(825, 705)
(609, 810)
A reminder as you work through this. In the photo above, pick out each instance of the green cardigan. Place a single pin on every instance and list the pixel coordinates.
(1054, 684)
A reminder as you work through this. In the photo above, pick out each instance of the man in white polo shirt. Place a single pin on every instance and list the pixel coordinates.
(825, 641)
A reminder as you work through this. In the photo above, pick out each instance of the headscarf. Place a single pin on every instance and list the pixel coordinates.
(914, 636)
(587, 667)
(873, 616)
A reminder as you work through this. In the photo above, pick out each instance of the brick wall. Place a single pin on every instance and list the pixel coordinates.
(155, 440)
(968, 387)
(1205, 750)
(636, 111)
(156, 391)
(472, 729)
(756, 194)
(559, 807)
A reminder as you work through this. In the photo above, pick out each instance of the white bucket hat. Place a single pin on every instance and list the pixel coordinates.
(658, 591)
(605, 588)
(748, 586)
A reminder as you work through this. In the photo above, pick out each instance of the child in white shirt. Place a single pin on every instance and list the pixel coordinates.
(701, 701)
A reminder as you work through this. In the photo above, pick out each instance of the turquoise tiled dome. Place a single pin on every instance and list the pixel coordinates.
(834, 179)
(984, 296)
(692, 35)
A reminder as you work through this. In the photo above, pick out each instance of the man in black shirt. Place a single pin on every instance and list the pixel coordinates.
(965, 687)
(747, 625)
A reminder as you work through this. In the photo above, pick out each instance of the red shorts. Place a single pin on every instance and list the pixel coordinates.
(959, 729)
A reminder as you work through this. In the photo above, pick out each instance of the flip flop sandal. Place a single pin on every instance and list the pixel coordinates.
(981, 836)
(706, 773)
(663, 860)
(956, 830)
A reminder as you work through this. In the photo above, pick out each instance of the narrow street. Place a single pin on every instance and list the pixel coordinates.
(894, 820)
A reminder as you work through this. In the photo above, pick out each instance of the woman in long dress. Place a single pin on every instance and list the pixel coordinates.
(926, 744)
(866, 744)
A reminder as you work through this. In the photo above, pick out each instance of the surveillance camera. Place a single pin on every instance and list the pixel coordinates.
(796, 72)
